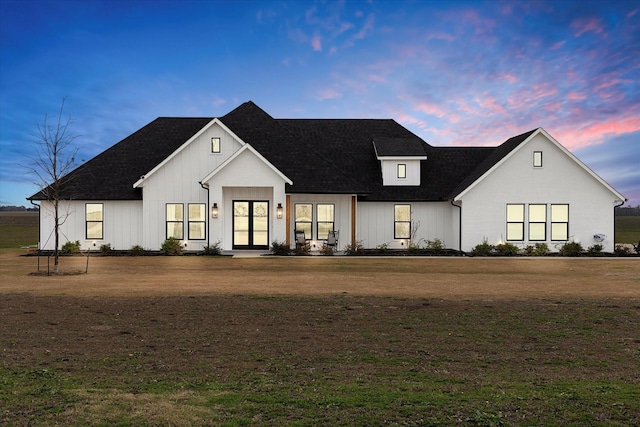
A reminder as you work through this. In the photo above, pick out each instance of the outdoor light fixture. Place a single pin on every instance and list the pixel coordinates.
(214, 211)
(279, 211)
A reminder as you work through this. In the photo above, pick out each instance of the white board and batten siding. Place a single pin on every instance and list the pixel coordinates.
(246, 177)
(434, 220)
(177, 181)
(560, 180)
(122, 224)
(342, 217)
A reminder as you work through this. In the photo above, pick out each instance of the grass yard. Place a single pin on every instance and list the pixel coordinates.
(320, 341)
(628, 229)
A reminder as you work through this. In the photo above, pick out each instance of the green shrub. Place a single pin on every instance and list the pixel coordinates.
(137, 250)
(303, 249)
(413, 248)
(483, 249)
(213, 250)
(436, 245)
(383, 248)
(171, 246)
(354, 248)
(541, 249)
(105, 249)
(280, 248)
(571, 249)
(622, 250)
(71, 248)
(595, 250)
(506, 249)
(327, 250)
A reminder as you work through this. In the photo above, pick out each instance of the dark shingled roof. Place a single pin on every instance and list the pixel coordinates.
(335, 156)
(399, 147)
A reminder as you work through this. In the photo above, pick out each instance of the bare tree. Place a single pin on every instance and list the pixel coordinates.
(53, 160)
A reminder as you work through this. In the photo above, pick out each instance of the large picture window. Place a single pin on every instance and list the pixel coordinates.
(537, 222)
(94, 214)
(175, 221)
(515, 222)
(402, 222)
(197, 217)
(325, 215)
(304, 218)
(560, 222)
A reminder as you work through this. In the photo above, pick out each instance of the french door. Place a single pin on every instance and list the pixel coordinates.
(250, 224)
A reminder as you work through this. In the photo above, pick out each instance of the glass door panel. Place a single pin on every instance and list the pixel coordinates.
(250, 224)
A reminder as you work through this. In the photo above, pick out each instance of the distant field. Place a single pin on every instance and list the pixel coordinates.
(19, 229)
(628, 229)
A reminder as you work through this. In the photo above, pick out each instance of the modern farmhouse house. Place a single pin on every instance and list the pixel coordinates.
(246, 179)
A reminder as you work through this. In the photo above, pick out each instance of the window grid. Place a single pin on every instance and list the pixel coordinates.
(325, 215)
(175, 220)
(197, 221)
(537, 222)
(515, 222)
(402, 222)
(94, 215)
(559, 222)
(304, 219)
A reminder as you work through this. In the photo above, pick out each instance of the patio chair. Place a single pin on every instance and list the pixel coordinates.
(332, 239)
(300, 239)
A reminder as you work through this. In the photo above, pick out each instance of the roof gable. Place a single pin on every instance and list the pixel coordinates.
(235, 155)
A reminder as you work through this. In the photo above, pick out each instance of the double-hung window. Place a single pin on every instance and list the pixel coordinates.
(515, 222)
(175, 221)
(197, 218)
(560, 222)
(325, 216)
(94, 214)
(402, 222)
(304, 218)
(538, 223)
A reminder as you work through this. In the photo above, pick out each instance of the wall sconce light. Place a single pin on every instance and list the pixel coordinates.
(279, 211)
(214, 211)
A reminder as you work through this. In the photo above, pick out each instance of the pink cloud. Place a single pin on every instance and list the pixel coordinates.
(489, 103)
(557, 45)
(316, 43)
(377, 78)
(584, 25)
(575, 96)
(431, 109)
(508, 77)
(440, 36)
(367, 27)
(574, 137)
(323, 95)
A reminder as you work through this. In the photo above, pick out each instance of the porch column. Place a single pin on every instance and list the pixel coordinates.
(288, 219)
(353, 221)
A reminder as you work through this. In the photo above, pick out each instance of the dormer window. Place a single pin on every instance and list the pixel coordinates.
(215, 145)
(400, 160)
(402, 170)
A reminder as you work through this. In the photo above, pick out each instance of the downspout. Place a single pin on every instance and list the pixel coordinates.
(459, 225)
(614, 221)
(206, 187)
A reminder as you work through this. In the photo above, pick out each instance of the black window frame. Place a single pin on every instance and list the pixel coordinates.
(552, 222)
(537, 164)
(92, 221)
(396, 222)
(309, 222)
(219, 145)
(508, 223)
(167, 221)
(543, 223)
(318, 222)
(404, 170)
(203, 221)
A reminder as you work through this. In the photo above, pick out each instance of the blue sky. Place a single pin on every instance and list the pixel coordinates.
(453, 72)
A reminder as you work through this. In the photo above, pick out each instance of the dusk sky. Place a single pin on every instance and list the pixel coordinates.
(453, 72)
